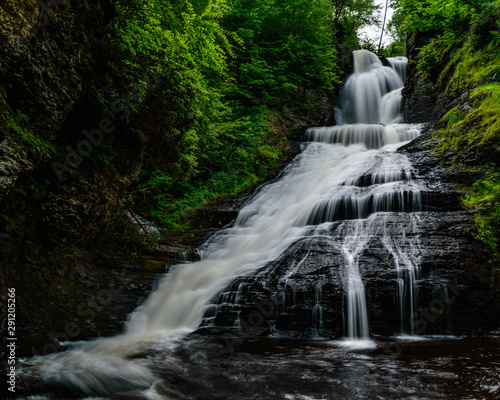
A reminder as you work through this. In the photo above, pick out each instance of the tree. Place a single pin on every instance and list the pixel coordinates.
(383, 25)
(351, 15)
(397, 32)
(287, 46)
(452, 15)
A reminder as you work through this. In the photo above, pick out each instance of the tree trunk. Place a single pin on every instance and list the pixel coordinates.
(383, 26)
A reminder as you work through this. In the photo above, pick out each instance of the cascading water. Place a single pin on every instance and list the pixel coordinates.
(354, 240)
(407, 266)
(372, 94)
(322, 185)
(347, 173)
(399, 65)
(317, 314)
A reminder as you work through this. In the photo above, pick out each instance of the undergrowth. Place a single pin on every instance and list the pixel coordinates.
(470, 132)
(16, 128)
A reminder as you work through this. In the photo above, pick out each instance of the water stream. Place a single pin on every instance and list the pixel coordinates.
(348, 174)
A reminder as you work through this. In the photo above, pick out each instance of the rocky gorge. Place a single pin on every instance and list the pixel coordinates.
(384, 247)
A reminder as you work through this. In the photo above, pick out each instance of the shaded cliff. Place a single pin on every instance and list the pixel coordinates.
(52, 56)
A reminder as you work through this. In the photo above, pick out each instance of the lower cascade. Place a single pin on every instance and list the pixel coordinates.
(296, 260)
(347, 174)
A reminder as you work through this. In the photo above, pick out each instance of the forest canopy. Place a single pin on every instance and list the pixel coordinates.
(229, 71)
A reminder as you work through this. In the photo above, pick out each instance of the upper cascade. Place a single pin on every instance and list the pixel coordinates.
(364, 60)
(372, 94)
(399, 64)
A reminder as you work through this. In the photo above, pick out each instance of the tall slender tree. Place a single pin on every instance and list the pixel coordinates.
(383, 26)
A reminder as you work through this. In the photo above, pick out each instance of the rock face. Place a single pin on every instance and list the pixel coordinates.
(419, 95)
(92, 300)
(45, 70)
(52, 54)
(450, 287)
(322, 107)
(11, 164)
(320, 114)
(426, 97)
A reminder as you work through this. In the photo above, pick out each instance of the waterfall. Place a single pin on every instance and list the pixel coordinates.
(361, 98)
(371, 95)
(318, 187)
(399, 65)
(407, 267)
(347, 175)
(317, 312)
(354, 240)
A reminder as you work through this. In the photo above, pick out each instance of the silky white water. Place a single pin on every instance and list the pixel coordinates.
(361, 100)
(267, 226)
(407, 265)
(310, 192)
(354, 240)
(346, 172)
(399, 65)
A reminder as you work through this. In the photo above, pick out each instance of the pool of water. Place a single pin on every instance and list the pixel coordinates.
(197, 367)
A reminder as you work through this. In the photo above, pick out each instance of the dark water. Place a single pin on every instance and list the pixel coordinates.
(207, 368)
(277, 369)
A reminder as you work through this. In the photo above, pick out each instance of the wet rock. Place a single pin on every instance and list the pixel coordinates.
(92, 300)
(419, 95)
(445, 285)
(321, 112)
(453, 292)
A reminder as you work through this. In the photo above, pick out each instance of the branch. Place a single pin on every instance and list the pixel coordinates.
(137, 220)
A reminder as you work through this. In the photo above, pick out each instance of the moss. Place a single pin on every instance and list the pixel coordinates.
(153, 264)
(485, 197)
(478, 126)
(470, 132)
(17, 129)
(436, 54)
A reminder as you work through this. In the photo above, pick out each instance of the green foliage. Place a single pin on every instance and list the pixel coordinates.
(287, 47)
(17, 129)
(202, 83)
(453, 18)
(174, 56)
(368, 44)
(451, 15)
(396, 29)
(167, 36)
(243, 151)
(202, 78)
(128, 233)
(351, 15)
(466, 65)
(485, 197)
(479, 125)
(433, 56)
